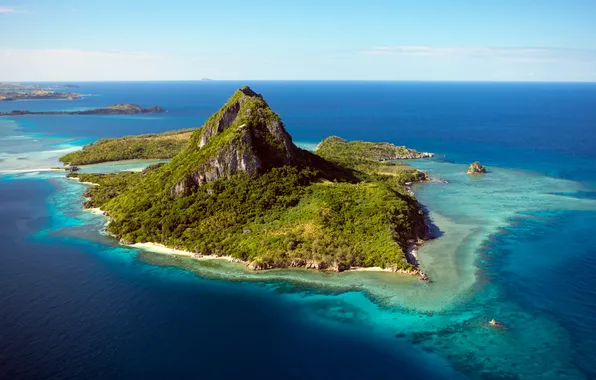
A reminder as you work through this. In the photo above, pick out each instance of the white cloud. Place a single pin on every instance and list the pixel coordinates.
(4, 9)
(506, 53)
(78, 64)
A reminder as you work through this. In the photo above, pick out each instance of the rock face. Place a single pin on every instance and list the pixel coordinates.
(333, 266)
(244, 136)
(476, 168)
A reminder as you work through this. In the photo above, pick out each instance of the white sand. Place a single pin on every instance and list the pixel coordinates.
(370, 269)
(84, 183)
(160, 248)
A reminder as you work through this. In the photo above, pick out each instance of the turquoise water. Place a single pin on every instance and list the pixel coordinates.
(514, 244)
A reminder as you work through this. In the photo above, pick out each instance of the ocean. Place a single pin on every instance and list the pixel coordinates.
(515, 244)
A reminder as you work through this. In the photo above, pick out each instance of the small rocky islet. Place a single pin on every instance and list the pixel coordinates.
(476, 168)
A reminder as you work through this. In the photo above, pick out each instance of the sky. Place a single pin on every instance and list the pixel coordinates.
(432, 40)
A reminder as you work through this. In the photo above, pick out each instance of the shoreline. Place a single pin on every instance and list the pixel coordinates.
(84, 183)
(160, 248)
(163, 249)
(114, 163)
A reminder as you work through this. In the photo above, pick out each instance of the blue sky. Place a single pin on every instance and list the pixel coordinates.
(499, 40)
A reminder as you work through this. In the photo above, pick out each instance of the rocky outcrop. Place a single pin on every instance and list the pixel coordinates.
(244, 136)
(334, 266)
(117, 109)
(476, 168)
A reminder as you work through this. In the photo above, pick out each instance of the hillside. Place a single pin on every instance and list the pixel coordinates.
(372, 158)
(150, 146)
(242, 188)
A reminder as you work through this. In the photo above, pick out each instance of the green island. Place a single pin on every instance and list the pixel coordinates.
(116, 109)
(240, 188)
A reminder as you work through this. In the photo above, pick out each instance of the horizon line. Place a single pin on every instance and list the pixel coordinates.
(66, 81)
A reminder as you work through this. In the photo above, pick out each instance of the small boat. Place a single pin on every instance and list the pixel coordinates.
(494, 323)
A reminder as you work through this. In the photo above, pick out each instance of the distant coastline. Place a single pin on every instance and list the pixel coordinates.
(116, 109)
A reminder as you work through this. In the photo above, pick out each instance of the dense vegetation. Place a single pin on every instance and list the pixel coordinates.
(309, 213)
(281, 218)
(353, 153)
(150, 146)
(370, 158)
(110, 185)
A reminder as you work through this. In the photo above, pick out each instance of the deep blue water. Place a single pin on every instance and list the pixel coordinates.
(74, 305)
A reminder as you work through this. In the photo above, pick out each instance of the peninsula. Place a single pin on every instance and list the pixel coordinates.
(116, 109)
(154, 146)
(240, 188)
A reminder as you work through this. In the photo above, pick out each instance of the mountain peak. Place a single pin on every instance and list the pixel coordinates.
(244, 136)
(249, 92)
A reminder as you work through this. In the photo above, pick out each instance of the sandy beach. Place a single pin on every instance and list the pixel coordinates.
(95, 210)
(160, 248)
(84, 183)
(370, 269)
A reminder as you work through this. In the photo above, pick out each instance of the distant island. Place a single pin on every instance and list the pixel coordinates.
(239, 188)
(12, 86)
(38, 95)
(116, 109)
(21, 91)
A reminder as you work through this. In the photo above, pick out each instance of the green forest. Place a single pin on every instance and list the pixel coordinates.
(150, 146)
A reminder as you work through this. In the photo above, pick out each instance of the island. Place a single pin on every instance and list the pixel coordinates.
(476, 168)
(26, 91)
(239, 188)
(38, 95)
(116, 109)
